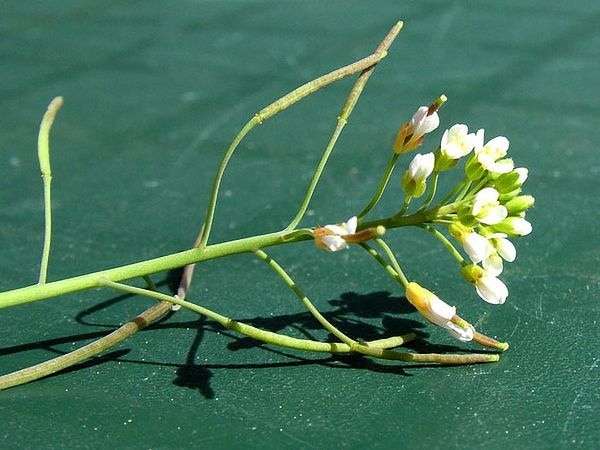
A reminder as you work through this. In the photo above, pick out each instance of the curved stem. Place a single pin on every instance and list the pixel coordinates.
(390, 254)
(452, 193)
(347, 109)
(212, 203)
(70, 359)
(432, 189)
(303, 298)
(381, 188)
(444, 240)
(256, 333)
(46, 170)
(385, 264)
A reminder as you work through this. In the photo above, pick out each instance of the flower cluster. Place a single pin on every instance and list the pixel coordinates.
(482, 213)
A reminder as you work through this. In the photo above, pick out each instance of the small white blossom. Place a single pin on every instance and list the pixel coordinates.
(486, 208)
(477, 247)
(503, 250)
(514, 226)
(490, 154)
(330, 237)
(411, 134)
(457, 142)
(488, 287)
(437, 311)
(421, 167)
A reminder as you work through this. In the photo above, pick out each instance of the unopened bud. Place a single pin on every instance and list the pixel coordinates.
(519, 204)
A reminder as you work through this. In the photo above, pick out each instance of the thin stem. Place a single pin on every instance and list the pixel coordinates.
(351, 101)
(452, 193)
(303, 298)
(381, 188)
(432, 189)
(279, 105)
(385, 264)
(70, 359)
(464, 191)
(46, 170)
(444, 240)
(390, 254)
(256, 333)
(212, 203)
(405, 205)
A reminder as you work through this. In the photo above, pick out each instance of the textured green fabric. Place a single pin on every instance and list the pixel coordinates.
(154, 91)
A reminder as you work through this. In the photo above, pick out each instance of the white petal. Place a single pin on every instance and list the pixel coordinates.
(506, 249)
(477, 247)
(494, 215)
(487, 195)
(418, 117)
(499, 144)
(502, 166)
(492, 290)
(351, 225)
(521, 226)
(441, 312)
(478, 140)
(339, 230)
(460, 333)
(523, 174)
(428, 124)
(493, 265)
(334, 243)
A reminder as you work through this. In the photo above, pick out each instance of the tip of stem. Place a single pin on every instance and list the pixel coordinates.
(55, 104)
(399, 24)
(380, 230)
(503, 346)
(494, 358)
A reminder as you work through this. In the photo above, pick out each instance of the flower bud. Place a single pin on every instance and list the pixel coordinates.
(413, 181)
(510, 181)
(514, 226)
(519, 204)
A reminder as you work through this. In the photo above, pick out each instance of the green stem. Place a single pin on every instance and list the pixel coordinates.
(444, 240)
(364, 65)
(452, 193)
(390, 254)
(432, 189)
(382, 185)
(46, 170)
(347, 109)
(303, 298)
(212, 203)
(256, 333)
(70, 359)
(385, 264)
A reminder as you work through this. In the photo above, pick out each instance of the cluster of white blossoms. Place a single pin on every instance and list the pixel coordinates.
(483, 212)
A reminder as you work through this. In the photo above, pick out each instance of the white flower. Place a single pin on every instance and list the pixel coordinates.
(436, 311)
(411, 134)
(490, 154)
(330, 237)
(457, 142)
(477, 247)
(413, 181)
(421, 167)
(514, 226)
(488, 287)
(486, 208)
(503, 250)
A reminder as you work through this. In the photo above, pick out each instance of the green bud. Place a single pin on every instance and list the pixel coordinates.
(471, 273)
(513, 226)
(503, 198)
(519, 204)
(473, 169)
(412, 187)
(442, 162)
(511, 181)
(466, 217)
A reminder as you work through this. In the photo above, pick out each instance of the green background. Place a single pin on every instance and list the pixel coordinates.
(154, 91)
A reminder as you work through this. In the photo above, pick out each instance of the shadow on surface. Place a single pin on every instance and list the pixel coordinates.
(381, 314)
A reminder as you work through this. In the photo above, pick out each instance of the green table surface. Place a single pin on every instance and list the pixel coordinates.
(154, 91)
